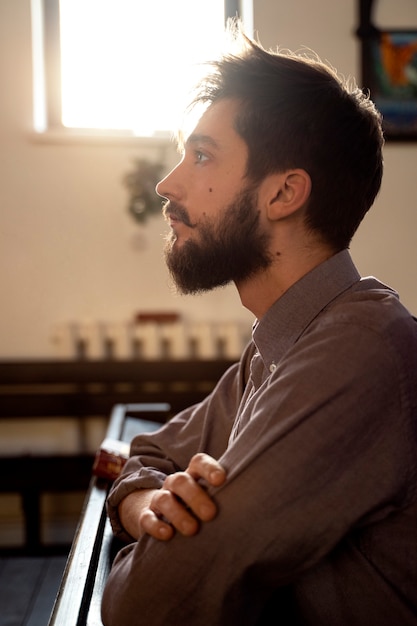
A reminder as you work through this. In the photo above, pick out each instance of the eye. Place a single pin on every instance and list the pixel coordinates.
(200, 157)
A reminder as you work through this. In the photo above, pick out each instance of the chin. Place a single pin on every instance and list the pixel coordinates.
(170, 240)
(178, 242)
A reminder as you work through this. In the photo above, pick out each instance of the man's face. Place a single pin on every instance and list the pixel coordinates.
(216, 235)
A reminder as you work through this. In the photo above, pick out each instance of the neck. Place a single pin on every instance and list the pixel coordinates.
(259, 292)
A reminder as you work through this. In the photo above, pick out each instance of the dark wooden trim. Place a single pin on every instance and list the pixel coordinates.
(49, 473)
(79, 598)
(109, 371)
(83, 389)
(31, 476)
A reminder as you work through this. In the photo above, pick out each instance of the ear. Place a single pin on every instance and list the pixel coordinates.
(286, 193)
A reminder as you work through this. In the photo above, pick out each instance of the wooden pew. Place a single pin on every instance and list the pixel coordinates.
(80, 388)
(79, 598)
(77, 390)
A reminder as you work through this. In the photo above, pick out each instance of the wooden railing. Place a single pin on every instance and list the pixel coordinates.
(79, 597)
(80, 389)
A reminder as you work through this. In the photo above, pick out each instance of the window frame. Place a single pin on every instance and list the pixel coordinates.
(47, 69)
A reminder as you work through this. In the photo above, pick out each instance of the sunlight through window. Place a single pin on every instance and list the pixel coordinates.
(126, 64)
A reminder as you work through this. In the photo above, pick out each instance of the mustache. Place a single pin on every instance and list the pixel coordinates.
(173, 209)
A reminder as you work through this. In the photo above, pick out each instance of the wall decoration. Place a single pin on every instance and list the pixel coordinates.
(141, 182)
(389, 71)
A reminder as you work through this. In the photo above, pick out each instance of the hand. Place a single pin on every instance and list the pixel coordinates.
(182, 503)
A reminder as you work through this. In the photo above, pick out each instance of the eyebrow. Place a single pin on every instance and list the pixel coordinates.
(200, 138)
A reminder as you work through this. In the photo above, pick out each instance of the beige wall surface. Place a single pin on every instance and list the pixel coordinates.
(68, 248)
(386, 243)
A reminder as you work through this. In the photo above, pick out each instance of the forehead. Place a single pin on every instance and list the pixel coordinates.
(216, 127)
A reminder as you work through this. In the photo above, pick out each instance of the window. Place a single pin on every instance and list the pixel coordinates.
(120, 65)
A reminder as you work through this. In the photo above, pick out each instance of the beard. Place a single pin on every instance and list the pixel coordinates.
(229, 248)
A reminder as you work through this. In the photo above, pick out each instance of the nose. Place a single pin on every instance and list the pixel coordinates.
(169, 187)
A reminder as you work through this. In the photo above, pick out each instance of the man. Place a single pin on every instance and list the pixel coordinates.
(288, 496)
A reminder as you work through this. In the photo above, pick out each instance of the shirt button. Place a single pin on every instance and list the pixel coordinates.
(272, 367)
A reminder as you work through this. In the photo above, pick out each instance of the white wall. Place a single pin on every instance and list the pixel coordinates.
(386, 243)
(69, 250)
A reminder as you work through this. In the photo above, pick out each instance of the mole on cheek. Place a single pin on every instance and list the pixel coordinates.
(210, 189)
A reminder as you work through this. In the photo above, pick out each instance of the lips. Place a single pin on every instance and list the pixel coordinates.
(176, 214)
(171, 216)
(172, 219)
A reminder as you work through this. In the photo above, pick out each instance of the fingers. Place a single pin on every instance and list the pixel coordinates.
(204, 466)
(152, 525)
(182, 503)
(189, 499)
(167, 514)
(192, 494)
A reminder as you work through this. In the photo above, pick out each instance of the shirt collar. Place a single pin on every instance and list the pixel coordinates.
(288, 317)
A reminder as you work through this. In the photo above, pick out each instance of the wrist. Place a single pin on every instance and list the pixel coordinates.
(130, 509)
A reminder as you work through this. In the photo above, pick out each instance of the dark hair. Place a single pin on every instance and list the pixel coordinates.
(298, 113)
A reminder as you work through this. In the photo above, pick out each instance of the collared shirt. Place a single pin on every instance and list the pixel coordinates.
(317, 430)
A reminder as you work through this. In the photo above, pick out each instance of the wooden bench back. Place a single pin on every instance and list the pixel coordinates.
(80, 388)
